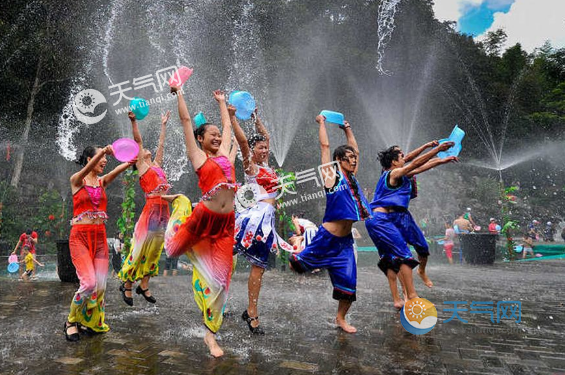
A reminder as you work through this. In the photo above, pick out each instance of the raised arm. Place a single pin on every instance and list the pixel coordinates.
(141, 166)
(432, 164)
(415, 153)
(248, 165)
(233, 150)
(196, 156)
(260, 127)
(351, 141)
(136, 133)
(108, 178)
(161, 145)
(397, 173)
(325, 150)
(76, 179)
(226, 123)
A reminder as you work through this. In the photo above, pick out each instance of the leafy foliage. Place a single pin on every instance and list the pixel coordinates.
(288, 179)
(52, 219)
(509, 225)
(126, 223)
(11, 223)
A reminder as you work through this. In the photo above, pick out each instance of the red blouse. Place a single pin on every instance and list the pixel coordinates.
(154, 181)
(84, 202)
(215, 174)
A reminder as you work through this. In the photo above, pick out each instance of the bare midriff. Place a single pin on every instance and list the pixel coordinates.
(387, 210)
(339, 228)
(87, 221)
(221, 202)
(271, 201)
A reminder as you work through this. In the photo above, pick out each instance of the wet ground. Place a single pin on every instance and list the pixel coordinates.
(297, 313)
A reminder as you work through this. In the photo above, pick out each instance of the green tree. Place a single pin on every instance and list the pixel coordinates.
(493, 42)
(126, 223)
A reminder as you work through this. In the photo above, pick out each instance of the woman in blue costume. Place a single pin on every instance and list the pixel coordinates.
(392, 227)
(255, 234)
(416, 237)
(332, 247)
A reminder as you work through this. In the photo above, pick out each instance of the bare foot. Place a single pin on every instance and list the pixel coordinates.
(425, 279)
(345, 326)
(398, 304)
(211, 343)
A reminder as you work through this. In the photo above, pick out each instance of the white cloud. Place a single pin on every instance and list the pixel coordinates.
(452, 10)
(497, 4)
(531, 23)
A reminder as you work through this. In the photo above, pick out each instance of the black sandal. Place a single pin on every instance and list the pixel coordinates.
(123, 289)
(138, 290)
(73, 337)
(89, 331)
(254, 330)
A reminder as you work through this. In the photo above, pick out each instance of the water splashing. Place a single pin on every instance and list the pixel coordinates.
(494, 144)
(507, 111)
(385, 20)
(247, 72)
(518, 157)
(109, 36)
(68, 127)
(425, 82)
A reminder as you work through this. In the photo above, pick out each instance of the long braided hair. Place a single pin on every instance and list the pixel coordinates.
(339, 154)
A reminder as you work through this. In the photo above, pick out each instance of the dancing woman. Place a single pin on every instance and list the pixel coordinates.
(416, 237)
(207, 234)
(255, 234)
(87, 241)
(142, 262)
(392, 227)
(332, 247)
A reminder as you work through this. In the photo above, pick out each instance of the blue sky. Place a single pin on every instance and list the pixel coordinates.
(528, 22)
(475, 20)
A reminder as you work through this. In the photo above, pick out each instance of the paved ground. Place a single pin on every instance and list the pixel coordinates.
(297, 313)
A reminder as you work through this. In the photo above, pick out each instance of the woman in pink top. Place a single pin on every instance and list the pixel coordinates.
(142, 262)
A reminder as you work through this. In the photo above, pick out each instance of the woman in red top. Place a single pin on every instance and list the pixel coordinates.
(29, 238)
(207, 234)
(142, 261)
(87, 241)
